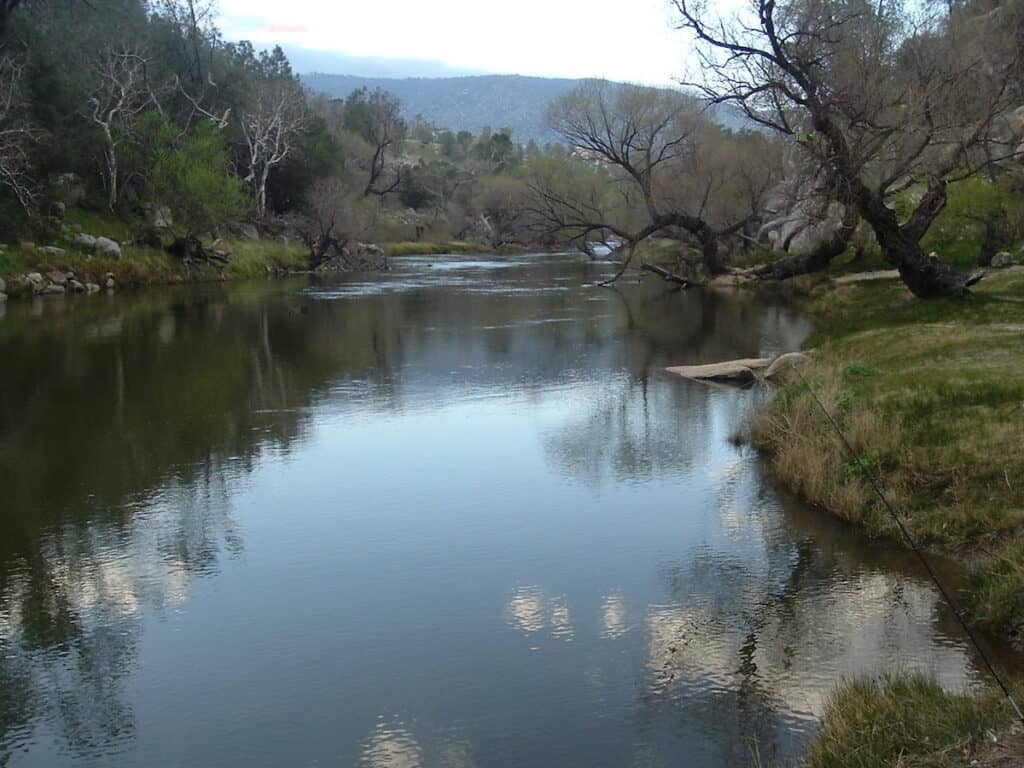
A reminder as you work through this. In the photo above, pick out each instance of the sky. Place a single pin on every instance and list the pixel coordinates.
(627, 40)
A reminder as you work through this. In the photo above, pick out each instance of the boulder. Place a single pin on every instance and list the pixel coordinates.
(247, 231)
(52, 289)
(158, 216)
(3, 297)
(737, 371)
(1002, 260)
(57, 278)
(75, 286)
(108, 248)
(3, 285)
(92, 288)
(784, 363)
(110, 283)
(68, 188)
(84, 242)
(34, 278)
(52, 250)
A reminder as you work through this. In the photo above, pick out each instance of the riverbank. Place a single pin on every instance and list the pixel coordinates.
(61, 268)
(931, 395)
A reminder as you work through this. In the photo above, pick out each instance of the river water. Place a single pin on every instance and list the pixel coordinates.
(448, 516)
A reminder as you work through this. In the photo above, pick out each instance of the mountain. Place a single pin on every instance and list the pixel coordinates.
(463, 103)
(472, 103)
(314, 60)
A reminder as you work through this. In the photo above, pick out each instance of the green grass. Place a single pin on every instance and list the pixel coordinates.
(252, 258)
(141, 266)
(933, 392)
(909, 721)
(422, 249)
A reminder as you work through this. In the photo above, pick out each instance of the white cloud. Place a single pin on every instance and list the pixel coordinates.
(632, 41)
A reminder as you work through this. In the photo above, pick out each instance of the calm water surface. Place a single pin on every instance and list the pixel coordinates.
(449, 516)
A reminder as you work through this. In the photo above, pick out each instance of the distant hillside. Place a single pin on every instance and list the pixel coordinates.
(464, 103)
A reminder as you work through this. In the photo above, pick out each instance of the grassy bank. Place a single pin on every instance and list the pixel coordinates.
(910, 721)
(141, 266)
(425, 249)
(931, 395)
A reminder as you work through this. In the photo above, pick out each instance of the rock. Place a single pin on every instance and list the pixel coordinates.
(57, 278)
(34, 277)
(76, 286)
(3, 297)
(739, 371)
(92, 288)
(3, 285)
(247, 231)
(110, 284)
(58, 209)
(68, 188)
(158, 216)
(84, 242)
(52, 289)
(784, 363)
(52, 250)
(1002, 260)
(108, 248)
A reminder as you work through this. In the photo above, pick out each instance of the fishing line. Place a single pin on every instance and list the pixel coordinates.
(912, 543)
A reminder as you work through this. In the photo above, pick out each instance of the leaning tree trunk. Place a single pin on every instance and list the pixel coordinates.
(926, 276)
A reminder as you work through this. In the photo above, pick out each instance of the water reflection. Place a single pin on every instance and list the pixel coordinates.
(447, 516)
(531, 611)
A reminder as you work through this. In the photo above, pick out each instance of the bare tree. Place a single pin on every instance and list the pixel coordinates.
(383, 129)
(331, 220)
(675, 172)
(16, 135)
(884, 105)
(123, 93)
(272, 126)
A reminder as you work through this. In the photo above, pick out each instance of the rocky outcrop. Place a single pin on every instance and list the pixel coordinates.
(67, 188)
(58, 283)
(158, 216)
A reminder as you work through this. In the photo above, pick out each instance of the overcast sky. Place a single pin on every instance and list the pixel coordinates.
(629, 40)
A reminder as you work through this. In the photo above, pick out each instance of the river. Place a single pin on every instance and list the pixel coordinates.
(453, 515)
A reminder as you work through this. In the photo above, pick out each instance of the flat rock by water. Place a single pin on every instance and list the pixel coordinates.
(741, 371)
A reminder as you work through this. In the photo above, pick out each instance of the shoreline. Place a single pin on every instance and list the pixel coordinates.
(931, 395)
